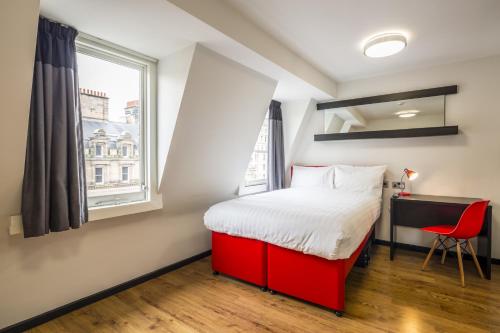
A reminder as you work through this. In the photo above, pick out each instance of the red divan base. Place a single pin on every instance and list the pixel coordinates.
(310, 278)
(241, 258)
(307, 277)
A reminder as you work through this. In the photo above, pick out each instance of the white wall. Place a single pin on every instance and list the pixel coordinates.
(220, 115)
(463, 165)
(173, 73)
(222, 110)
(296, 116)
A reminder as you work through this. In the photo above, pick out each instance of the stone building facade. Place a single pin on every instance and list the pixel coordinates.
(112, 149)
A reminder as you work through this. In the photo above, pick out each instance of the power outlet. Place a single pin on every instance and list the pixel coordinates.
(398, 185)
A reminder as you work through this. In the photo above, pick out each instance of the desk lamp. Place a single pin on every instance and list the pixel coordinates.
(411, 175)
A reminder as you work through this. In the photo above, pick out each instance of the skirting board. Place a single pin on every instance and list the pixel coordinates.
(62, 310)
(424, 249)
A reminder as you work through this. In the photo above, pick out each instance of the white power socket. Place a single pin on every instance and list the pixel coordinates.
(16, 225)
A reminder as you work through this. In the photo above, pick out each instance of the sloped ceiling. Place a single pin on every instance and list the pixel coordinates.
(221, 112)
(159, 28)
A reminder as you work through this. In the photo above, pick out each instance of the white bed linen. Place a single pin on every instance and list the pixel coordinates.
(328, 223)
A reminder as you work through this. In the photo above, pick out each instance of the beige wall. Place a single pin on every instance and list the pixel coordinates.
(18, 38)
(224, 102)
(463, 165)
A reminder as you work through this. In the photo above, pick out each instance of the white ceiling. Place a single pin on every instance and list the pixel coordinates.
(157, 28)
(330, 33)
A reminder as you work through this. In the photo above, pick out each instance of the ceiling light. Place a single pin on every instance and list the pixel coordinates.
(407, 113)
(384, 45)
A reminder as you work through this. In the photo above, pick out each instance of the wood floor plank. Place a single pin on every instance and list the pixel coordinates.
(387, 296)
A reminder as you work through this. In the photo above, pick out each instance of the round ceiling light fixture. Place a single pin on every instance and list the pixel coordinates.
(407, 113)
(384, 45)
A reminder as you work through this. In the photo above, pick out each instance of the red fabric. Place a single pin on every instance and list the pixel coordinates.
(468, 226)
(242, 258)
(309, 277)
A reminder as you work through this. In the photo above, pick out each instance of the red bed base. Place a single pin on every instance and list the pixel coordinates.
(242, 258)
(300, 275)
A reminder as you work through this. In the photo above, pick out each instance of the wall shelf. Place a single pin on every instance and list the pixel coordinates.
(385, 134)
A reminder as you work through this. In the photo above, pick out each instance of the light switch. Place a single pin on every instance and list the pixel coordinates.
(16, 225)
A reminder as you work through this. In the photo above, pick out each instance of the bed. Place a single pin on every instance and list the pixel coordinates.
(301, 241)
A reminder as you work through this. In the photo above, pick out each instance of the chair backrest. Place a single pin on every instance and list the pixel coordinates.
(471, 221)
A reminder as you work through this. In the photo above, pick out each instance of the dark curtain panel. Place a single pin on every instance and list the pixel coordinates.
(54, 195)
(276, 149)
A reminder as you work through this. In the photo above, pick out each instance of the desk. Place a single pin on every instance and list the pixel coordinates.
(418, 211)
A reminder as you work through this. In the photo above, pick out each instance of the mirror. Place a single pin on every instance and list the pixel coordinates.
(400, 114)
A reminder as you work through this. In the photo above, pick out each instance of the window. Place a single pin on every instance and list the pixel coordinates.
(98, 150)
(257, 168)
(112, 82)
(98, 176)
(125, 174)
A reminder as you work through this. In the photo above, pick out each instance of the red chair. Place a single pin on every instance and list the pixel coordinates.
(468, 226)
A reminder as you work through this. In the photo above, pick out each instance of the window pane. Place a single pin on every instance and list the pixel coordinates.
(257, 168)
(98, 175)
(110, 96)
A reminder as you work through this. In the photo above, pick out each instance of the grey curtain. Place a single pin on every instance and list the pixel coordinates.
(54, 194)
(276, 149)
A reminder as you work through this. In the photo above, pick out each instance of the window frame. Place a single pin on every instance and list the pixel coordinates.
(101, 49)
(102, 175)
(126, 150)
(259, 185)
(259, 182)
(100, 145)
(125, 167)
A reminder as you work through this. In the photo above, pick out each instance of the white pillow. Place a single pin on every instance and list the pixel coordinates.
(304, 176)
(359, 178)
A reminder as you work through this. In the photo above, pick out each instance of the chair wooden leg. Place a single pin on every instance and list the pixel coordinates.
(460, 264)
(473, 253)
(443, 257)
(430, 252)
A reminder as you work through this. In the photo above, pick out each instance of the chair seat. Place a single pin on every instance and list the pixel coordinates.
(442, 229)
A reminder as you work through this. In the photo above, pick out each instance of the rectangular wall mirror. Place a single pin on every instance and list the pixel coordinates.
(406, 114)
(410, 113)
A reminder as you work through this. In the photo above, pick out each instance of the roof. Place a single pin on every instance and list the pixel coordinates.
(113, 129)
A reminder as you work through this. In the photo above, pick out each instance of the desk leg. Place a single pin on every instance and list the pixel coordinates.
(484, 245)
(484, 258)
(392, 247)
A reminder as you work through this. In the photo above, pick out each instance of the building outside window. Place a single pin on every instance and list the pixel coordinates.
(112, 103)
(99, 179)
(256, 173)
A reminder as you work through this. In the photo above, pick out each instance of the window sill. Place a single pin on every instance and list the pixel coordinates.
(252, 189)
(101, 213)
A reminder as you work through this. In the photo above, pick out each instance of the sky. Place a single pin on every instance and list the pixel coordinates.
(120, 83)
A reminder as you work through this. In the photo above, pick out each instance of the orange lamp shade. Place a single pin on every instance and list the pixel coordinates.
(411, 174)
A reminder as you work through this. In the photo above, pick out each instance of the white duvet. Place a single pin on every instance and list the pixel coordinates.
(328, 223)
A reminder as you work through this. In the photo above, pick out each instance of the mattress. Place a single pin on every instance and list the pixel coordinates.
(327, 223)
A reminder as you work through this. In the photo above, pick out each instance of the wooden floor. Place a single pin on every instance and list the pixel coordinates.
(385, 297)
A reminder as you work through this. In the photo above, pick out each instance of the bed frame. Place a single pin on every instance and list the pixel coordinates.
(307, 277)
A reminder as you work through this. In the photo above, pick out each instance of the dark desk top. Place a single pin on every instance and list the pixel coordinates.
(437, 199)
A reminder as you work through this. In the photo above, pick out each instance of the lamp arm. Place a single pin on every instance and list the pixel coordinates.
(402, 185)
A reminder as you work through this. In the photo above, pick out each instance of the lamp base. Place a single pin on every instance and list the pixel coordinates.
(404, 194)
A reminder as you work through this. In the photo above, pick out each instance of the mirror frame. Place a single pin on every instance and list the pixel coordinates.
(397, 133)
